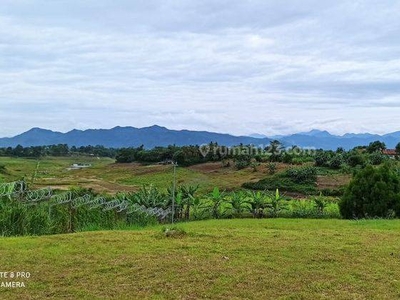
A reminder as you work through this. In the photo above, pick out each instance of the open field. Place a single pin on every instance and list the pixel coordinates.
(218, 259)
(107, 176)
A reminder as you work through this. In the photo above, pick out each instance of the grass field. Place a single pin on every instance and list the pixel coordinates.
(218, 259)
(107, 176)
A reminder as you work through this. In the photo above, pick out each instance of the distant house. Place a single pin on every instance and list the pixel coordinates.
(79, 166)
(390, 152)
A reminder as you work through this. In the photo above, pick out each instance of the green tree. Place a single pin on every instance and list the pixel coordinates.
(373, 192)
(355, 160)
(376, 146)
(398, 149)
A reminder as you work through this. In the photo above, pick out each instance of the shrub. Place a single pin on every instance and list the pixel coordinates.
(174, 232)
(271, 168)
(302, 175)
(321, 159)
(336, 162)
(376, 158)
(355, 160)
(242, 164)
(373, 192)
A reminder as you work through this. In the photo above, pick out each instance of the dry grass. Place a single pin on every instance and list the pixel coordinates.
(107, 176)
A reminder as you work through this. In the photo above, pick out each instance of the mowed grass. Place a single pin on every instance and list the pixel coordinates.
(217, 259)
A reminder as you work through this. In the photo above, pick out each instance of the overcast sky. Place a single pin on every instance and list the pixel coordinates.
(235, 66)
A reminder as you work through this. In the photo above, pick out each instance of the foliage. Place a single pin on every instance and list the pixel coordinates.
(242, 163)
(276, 204)
(376, 146)
(57, 151)
(258, 202)
(239, 204)
(376, 158)
(398, 149)
(336, 161)
(282, 183)
(355, 159)
(321, 159)
(373, 192)
(302, 175)
(271, 168)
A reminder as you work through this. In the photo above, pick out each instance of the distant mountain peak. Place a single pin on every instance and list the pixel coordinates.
(317, 133)
(119, 137)
(156, 135)
(258, 136)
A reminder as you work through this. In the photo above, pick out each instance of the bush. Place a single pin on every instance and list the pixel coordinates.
(242, 164)
(173, 232)
(336, 162)
(373, 192)
(302, 175)
(376, 158)
(271, 168)
(321, 159)
(355, 160)
(283, 184)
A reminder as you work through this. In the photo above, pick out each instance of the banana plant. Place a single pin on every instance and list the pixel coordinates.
(188, 197)
(149, 196)
(320, 204)
(216, 198)
(276, 204)
(199, 209)
(258, 202)
(238, 203)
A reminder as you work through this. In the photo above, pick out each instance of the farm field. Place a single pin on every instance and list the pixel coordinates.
(107, 176)
(218, 259)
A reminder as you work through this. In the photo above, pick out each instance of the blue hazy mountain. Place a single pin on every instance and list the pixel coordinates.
(127, 137)
(324, 140)
(160, 136)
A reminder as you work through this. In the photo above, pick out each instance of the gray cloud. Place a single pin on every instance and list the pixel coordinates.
(229, 66)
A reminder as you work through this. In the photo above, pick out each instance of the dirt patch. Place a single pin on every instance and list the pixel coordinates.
(207, 167)
(138, 169)
(333, 182)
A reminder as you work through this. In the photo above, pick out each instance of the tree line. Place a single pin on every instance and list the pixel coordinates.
(57, 151)
(241, 155)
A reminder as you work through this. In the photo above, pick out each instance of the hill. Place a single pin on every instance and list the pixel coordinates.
(324, 140)
(153, 136)
(119, 137)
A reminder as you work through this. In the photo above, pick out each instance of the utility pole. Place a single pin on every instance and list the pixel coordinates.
(173, 192)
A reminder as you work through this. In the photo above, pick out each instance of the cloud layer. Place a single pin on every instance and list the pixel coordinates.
(241, 67)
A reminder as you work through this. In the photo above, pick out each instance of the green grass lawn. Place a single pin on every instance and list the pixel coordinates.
(218, 259)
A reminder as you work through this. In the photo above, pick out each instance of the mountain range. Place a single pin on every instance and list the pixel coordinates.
(153, 136)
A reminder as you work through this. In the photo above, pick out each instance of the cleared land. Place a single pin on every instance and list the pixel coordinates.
(218, 259)
(107, 176)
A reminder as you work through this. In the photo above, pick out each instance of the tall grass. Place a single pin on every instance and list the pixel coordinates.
(18, 217)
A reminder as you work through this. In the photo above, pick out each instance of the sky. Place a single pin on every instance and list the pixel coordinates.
(231, 66)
